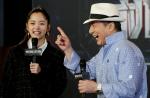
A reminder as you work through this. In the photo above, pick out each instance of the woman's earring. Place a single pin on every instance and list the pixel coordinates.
(47, 33)
(28, 35)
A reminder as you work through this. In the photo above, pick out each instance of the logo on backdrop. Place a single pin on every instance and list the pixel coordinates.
(137, 15)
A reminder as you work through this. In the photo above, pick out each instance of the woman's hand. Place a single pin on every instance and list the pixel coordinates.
(35, 68)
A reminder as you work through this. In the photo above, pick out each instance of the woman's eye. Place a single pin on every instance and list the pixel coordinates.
(32, 23)
(42, 23)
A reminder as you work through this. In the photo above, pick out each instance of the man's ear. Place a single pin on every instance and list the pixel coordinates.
(111, 26)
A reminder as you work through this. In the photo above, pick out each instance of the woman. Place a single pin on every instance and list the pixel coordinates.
(44, 78)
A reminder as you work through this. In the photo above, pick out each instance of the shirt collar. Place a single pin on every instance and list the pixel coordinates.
(43, 46)
(115, 37)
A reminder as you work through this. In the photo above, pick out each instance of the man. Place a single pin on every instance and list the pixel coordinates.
(119, 67)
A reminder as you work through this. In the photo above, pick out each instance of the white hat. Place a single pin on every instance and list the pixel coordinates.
(104, 12)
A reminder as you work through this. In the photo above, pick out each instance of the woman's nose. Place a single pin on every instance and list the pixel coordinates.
(36, 26)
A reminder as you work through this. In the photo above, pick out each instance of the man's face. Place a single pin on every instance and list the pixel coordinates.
(99, 31)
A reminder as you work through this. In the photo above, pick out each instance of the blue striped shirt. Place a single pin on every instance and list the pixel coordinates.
(119, 67)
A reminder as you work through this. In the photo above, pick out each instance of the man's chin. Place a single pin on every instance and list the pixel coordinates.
(100, 43)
